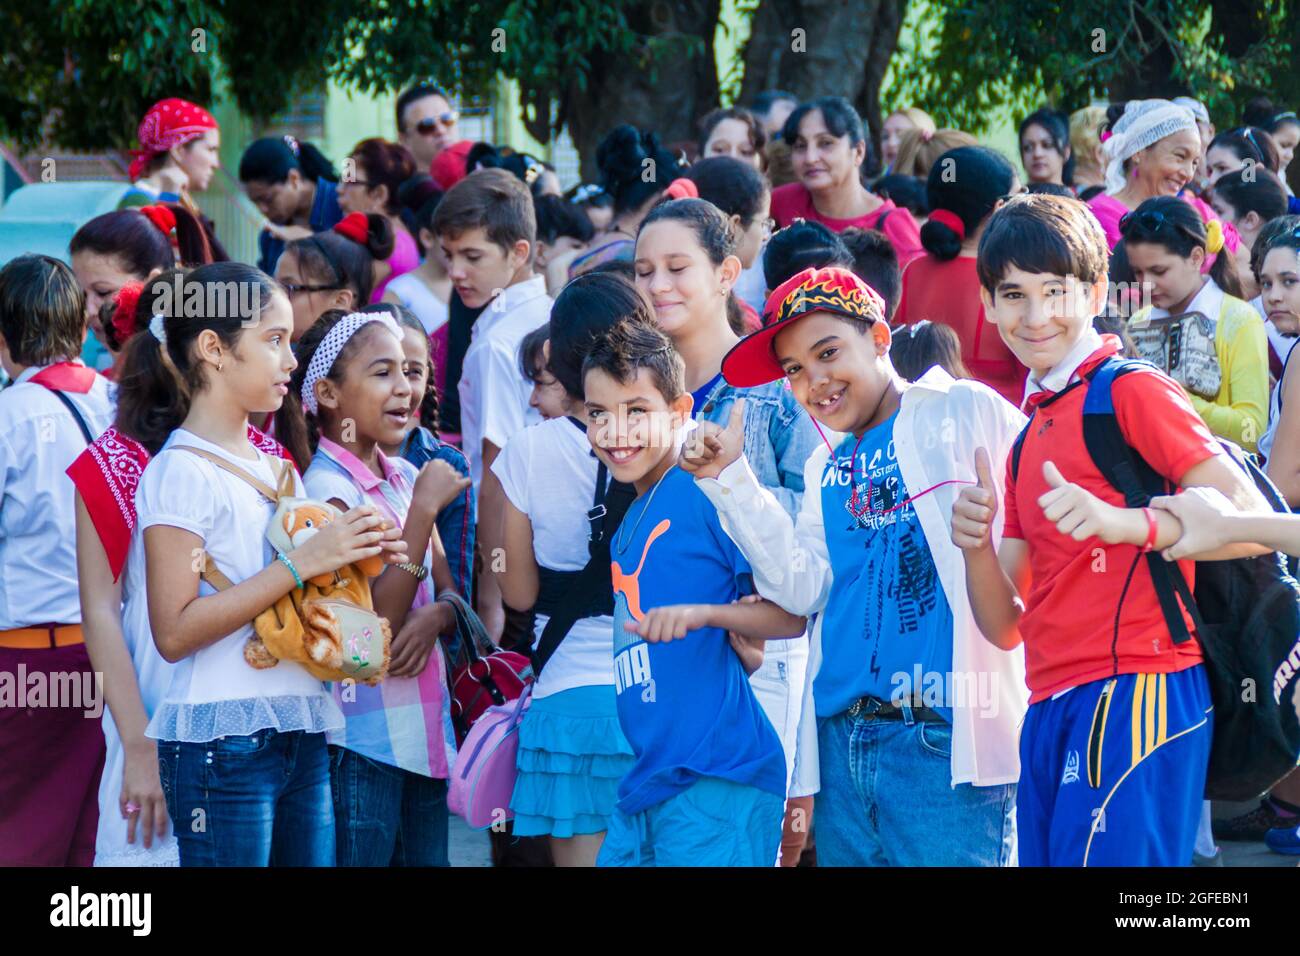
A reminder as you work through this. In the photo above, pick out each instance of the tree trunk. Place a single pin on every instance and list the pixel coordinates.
(667, 96)
(824, 48)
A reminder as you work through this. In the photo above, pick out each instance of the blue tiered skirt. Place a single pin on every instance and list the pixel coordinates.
(572, 755)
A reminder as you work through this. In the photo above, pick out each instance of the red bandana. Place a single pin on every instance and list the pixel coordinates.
(66, 377)
(107, 475)
(170, 122)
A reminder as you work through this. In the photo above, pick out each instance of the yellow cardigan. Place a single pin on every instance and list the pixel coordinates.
(1240, 411)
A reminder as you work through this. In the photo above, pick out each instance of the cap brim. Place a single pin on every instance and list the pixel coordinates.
(752, 361)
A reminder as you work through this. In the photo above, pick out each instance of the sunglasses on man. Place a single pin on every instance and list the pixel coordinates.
(430, 124)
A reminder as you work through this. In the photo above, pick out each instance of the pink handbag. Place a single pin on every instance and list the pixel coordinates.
(483, 778)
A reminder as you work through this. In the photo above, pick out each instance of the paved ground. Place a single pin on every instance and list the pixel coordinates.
(470, 848)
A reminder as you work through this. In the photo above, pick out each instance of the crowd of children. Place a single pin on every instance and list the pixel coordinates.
(782, 478)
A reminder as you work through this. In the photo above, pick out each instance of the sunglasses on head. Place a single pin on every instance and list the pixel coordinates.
(430, 124)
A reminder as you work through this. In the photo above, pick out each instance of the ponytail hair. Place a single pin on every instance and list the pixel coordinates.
(343, 257)
(152, 399)
(1179, 228)
(963, 187)
(268, 160)
(141, 238)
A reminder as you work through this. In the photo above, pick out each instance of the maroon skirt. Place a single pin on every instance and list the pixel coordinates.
(51, 757)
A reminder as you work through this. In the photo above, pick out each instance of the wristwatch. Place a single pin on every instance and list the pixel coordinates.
(417, 571)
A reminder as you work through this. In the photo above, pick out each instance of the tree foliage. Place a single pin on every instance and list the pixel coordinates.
(984, 55)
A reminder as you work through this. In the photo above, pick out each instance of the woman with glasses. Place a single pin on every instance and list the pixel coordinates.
(334, 269)
(942, 285)
(371, 184)
(1153, 148)
(294, 186)
(426, 123)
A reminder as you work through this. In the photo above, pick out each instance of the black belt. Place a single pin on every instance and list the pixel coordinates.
(873, 708)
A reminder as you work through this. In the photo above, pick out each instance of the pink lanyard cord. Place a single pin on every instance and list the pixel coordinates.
(853, 493)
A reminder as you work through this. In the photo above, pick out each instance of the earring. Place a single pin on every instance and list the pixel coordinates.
(218, 366)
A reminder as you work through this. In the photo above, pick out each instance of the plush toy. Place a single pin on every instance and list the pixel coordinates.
(329, 625)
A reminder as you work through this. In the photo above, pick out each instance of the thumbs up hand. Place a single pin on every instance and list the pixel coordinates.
(975, 508)
(712, 448)
(1082, 515)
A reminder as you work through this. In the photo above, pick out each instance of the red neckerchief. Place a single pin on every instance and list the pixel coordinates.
(107, 475)
(66, 377)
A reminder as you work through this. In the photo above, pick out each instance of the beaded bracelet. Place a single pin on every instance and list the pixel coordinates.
(284, 559)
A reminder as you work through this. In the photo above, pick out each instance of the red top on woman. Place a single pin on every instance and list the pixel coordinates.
(793, 201)
(949, 292)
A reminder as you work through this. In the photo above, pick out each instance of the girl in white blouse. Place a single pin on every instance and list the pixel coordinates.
(242, 752)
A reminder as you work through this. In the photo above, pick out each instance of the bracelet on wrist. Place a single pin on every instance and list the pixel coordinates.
(284, 559)
(417, 571)
(1153, 529)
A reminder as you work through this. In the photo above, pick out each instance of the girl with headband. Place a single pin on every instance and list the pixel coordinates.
(942, 286)
(134, 828)
(131, 245)
(1189, 270)
(243, 745)
(348, 397)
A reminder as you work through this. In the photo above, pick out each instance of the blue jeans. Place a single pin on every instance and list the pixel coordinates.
(386, 816)
(256, 800)
(887, 799)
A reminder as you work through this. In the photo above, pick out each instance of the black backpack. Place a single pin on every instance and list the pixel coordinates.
(1246, 612)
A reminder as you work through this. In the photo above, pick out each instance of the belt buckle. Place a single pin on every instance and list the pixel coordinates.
(865, 707)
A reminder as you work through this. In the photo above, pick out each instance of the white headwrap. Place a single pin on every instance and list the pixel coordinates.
(1144, 122)
(327, 352)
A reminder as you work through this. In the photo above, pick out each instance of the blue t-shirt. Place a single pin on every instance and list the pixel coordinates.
(887, 628)
(701, 394)
(686, 706)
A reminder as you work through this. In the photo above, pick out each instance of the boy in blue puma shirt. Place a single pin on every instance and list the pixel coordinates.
(708, 785)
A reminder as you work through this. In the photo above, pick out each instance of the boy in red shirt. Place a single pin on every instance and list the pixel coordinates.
(1116, 741)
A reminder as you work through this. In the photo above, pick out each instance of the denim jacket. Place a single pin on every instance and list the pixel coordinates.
(455, 522)
(779, 435)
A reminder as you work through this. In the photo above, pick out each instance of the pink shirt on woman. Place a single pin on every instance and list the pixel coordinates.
(1109, 211)
(405, 257)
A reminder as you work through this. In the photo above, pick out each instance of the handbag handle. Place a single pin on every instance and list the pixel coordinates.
(468, 625)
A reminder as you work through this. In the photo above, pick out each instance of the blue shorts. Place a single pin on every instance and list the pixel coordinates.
(1112, 773)
(713, 822)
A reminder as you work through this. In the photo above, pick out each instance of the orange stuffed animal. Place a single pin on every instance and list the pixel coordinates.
(329, 624)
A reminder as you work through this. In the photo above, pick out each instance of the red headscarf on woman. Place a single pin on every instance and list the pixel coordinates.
(170, 122)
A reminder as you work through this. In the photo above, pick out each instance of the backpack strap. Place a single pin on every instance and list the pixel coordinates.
(594, 576)
(261, 487)
(77, 416)
(210, 572)
(1138, 482)
(1017, 447)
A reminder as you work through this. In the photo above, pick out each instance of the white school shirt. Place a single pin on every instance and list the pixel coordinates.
(549, 473)
(39, 439)
(493, 391)
(419, 298)
(214, 692)
(940, 424)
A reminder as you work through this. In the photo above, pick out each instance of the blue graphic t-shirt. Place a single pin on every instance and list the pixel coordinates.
(685, 706)
(887, 628)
